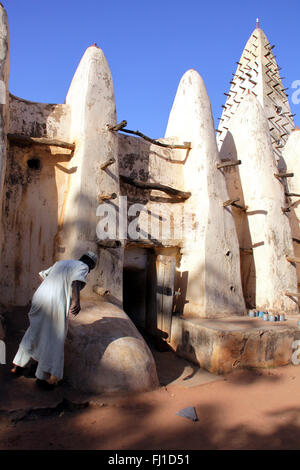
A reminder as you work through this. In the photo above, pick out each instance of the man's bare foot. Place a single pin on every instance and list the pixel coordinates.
(17, 371)
(53, 380)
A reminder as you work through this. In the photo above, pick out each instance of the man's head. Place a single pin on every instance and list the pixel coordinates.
(90, 259)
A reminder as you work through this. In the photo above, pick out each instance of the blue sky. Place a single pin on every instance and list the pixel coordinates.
(149, 45)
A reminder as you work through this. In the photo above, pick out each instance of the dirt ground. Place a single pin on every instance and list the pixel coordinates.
(257, 409)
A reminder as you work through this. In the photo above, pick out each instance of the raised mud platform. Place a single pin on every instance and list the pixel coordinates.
(105, 353)
(221, 345)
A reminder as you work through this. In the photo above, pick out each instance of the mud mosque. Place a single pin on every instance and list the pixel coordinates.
(59, 163)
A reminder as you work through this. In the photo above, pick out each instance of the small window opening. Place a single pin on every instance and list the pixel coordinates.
(34, 164)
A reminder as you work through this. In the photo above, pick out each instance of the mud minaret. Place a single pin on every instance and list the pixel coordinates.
(257, 73)
(253, 130)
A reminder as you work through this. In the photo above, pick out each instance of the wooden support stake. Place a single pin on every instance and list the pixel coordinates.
(293, 259)
(108, 162)
(25, 140)
(118, 127)
(292, 194)
(230, 202)
(101, 291)
(291, 294)
(284, 175)
(107, 197)
(159, 187)
(185, 146)
(228, 163)
(238, 206)
(290, 206)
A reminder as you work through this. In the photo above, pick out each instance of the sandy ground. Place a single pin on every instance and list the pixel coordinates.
(257, 409)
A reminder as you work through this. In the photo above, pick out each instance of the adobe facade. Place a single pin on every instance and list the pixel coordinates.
(189, 227)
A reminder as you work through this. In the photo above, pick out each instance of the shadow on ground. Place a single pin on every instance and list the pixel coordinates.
(248, 409)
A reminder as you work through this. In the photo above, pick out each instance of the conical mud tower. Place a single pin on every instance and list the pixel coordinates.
(263, 194)
(258, 73)
(92, 104)
(210, 253)
(291, 158)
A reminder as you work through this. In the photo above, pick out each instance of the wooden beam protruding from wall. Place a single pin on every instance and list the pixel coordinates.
(292, 294)
(233, 202)
(107, 163)
(228, 164)
(120, 127)
(293, 259)
(283, 175)
(25, 140)
(157, 186)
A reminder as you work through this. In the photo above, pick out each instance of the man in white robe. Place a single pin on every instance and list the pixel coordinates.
(45, 337)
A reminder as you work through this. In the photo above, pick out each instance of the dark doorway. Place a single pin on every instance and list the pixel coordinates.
(148, 289)
(134, 295)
